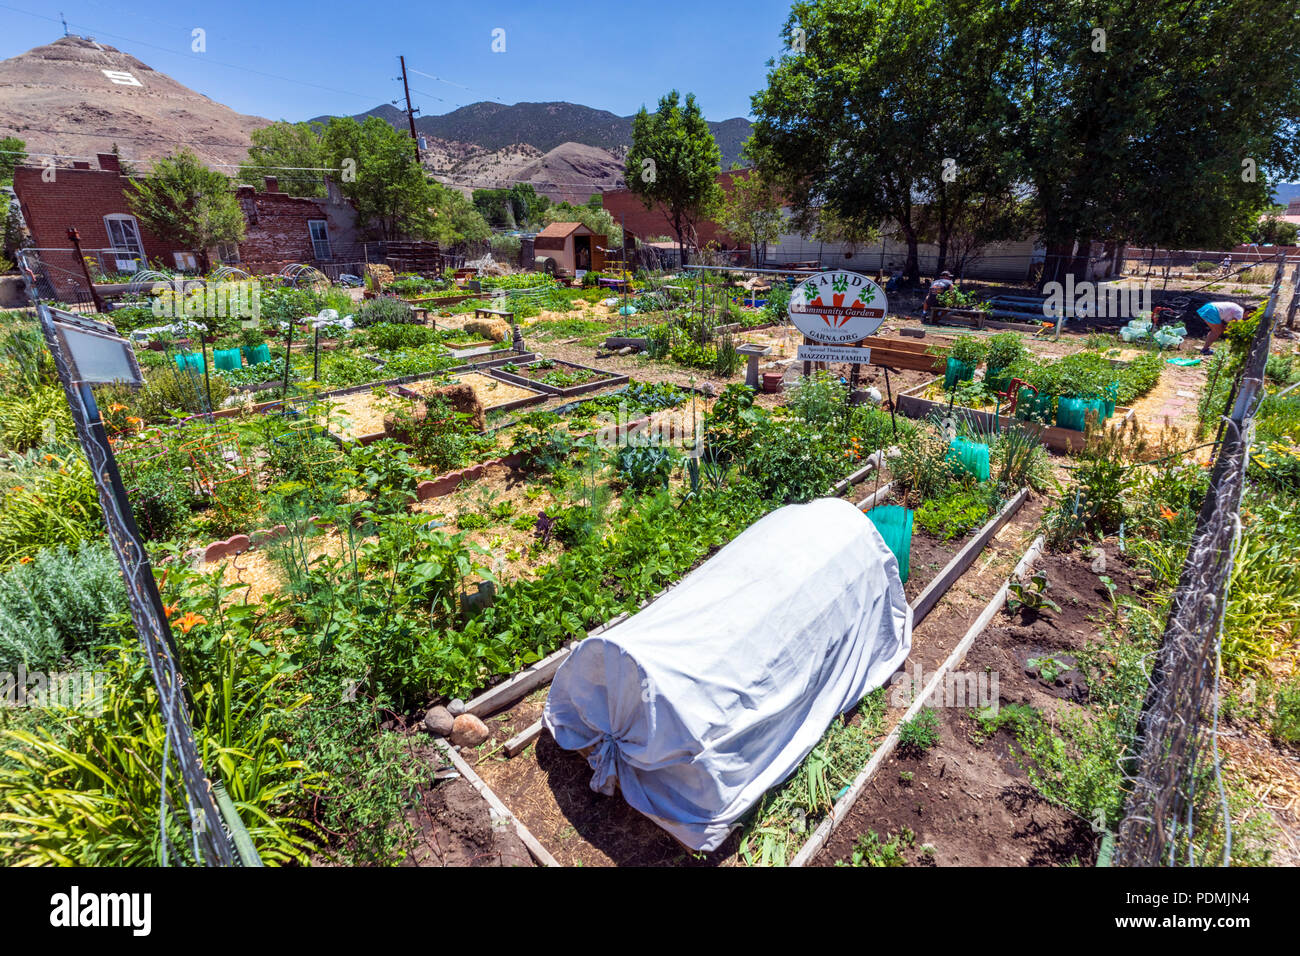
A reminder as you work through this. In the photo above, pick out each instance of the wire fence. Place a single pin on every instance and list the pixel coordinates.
(1179, 718)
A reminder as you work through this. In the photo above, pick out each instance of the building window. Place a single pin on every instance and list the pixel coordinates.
(228, 253)
(320, 239)
(124, 239)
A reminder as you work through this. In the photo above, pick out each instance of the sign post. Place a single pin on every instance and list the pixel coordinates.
(835, 311)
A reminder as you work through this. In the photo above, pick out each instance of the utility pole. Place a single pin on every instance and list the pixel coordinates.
(410, 113)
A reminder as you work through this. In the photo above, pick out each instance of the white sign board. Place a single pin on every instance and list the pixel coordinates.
(834, 353)
(838, 307)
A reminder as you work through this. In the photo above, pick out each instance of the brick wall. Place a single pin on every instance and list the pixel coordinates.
(275, 222)
(80, 199)
(628, 209)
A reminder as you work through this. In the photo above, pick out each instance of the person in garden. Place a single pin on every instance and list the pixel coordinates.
(1217, 315)
(937, 288)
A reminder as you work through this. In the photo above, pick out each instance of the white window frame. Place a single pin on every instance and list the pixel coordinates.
(125, 258)
(315, 243)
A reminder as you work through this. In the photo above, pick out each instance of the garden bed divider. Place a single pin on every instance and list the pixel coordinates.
(880, 494)
(522, 739)
(608, 380)
(963, 559)
(499, 809)
(840, 811)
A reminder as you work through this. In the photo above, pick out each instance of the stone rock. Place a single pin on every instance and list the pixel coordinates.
(456, 707)
(439, 721)
(626, 350)
(468, 731)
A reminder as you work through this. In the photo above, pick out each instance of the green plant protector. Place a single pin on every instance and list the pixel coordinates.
(193, 360)
(958, 371)
(971, 457)
(894, 523)
(259, 354)
(227, 360)
(1184, 362)
(1071, 413)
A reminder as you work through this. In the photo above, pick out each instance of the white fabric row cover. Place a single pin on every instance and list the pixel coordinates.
(714, 693)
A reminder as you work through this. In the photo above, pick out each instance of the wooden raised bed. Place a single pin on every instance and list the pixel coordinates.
(911, 404)
(489, 359)
(603, 380)
(484, 385)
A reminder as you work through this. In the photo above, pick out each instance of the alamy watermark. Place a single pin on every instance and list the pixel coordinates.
(965, 689)
(670, 428)
(1105, 300)
(74, 690)
(217, 300)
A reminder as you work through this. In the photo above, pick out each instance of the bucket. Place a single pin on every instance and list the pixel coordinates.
(227, 360)
(958, 372)
(971, 457)
(894, 523)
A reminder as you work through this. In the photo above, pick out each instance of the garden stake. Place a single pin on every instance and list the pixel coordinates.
(889, 394)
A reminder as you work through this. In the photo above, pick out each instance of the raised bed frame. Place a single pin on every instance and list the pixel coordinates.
(537, 397)
(612, 378)
(911, 404)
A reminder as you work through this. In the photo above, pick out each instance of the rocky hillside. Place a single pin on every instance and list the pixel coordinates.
(76, 97)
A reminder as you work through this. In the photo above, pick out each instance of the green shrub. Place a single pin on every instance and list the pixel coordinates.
(790, 462)
(389, 337)
(38, 418)
(383, 309)
(920, 733)
(955, 514)
(61, 602)
(645, 466)
(47, 504)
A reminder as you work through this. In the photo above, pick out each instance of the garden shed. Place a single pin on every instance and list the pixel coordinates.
(572, 247)
(700, 703)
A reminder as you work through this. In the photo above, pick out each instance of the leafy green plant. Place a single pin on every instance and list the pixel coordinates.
(919, 734)
(871, 851)
(1031, 597)
(645, 466)
(383, 309)
(1049, 668)
(45, 504)
(955, 514)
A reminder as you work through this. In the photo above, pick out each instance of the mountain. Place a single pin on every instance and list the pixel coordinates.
(546, 126)
(77, 97)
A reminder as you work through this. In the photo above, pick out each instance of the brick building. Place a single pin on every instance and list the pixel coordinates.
(279, 229)
(647, 224)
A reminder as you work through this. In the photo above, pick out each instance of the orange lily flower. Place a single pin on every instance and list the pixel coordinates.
(170, 609)
(1167, 514)
(26, 559)
(191, 621)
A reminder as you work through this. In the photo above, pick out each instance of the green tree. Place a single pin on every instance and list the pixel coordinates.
(291, 152)
(519, 207)
(892, 114)
(674, 164)
(1161, 129)
(393, 197)
(184, 202)
(12, 153)
(752, 211)
(1274, 232)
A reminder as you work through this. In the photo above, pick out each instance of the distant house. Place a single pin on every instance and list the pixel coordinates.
(571, 248)
(279, 229)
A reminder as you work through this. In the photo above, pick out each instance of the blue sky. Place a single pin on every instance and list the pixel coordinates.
(341, 57)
